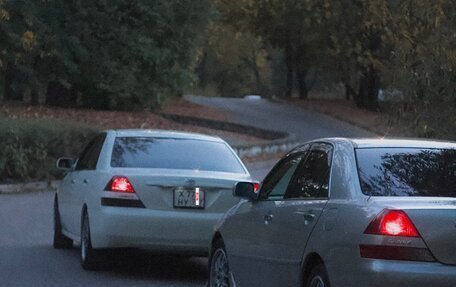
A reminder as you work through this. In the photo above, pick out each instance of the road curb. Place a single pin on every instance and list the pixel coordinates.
(273, 147)
(277, 142)
(15, 188)
(227, 126)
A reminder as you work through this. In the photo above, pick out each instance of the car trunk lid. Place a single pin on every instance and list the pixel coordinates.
(435, 220)
(171, 189)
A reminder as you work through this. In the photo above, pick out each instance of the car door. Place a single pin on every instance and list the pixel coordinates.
(249, 230)
(298, 214)
(284, 223)
(80, 181)
(67, 192)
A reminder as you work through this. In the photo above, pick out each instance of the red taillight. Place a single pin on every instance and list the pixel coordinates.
(120, 184)
(392, 223)
(256, 186)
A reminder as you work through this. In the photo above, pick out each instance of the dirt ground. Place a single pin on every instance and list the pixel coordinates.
(376, 122)
(128, 120)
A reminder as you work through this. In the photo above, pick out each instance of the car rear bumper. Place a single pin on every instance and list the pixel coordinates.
(177, 231)
(381, 273)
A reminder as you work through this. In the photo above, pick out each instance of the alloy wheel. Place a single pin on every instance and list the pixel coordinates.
(220, 270)
(85, 239)
(317, 281)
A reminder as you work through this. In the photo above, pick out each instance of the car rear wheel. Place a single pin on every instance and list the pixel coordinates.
(318, 277)
(89, 256)
(60, 240)
(219, 270)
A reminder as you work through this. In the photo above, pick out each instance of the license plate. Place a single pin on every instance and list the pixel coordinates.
(189, 198)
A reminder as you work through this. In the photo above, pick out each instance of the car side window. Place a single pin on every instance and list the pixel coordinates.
(90, 155)
(275, 184)
(312, 176)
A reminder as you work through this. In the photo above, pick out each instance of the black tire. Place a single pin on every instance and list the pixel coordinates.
(318, 277)
(90, 258)
(219, 270)
(60, 240)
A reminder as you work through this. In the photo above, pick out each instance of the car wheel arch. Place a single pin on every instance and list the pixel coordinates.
(311, 260)
(56, 200)
(84, 211)
(216, 237)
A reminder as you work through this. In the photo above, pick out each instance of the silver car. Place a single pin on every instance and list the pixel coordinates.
(344, 213)
(155, 190)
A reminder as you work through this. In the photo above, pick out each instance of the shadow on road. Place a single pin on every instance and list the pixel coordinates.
(142, 264)
(40, 265)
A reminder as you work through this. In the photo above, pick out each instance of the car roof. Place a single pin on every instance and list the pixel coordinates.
(401, 143)
(164, 134)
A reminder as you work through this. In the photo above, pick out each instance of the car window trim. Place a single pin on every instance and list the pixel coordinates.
(304, 149)
(316, 146)
(88, 150)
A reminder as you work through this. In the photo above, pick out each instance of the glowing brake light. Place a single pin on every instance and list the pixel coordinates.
(256, 186)
(392, 223)
(120, 184)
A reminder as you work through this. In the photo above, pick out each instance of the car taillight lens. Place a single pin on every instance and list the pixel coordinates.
(120, 184)
(256, 186)
(392, 223)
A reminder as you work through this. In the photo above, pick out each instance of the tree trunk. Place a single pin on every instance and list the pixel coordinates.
(349, 92)
(34, 98)
(256, 73)
(303, 88)
(2, 87)
(9, 76)
(289, 64)
(369, 85)
(202, 73)
(58, 95)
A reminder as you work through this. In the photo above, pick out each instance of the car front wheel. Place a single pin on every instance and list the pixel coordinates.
(318, 277)
(219, 269)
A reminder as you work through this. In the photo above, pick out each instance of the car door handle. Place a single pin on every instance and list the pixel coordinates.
(268, 218)
(308, 216)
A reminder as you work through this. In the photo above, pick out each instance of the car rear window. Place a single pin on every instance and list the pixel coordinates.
(407, 172)
(171, 153)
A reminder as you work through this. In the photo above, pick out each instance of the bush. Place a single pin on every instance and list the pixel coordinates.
(30, 147)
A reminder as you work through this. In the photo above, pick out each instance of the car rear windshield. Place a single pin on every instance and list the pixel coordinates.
(407, 172)
(171, 153)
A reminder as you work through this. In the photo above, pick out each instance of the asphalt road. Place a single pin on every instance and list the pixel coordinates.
(305, 125)
(28, 259)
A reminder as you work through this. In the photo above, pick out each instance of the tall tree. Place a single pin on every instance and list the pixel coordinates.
(234, 62)
(101, 54)
(293, 26)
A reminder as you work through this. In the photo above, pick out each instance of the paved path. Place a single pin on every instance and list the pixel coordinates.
(304, 124)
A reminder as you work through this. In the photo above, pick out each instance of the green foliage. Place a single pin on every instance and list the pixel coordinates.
(295, 27)
(114, 54)
(30, 148)
(234, 62)
(365, 44)
(423, 66)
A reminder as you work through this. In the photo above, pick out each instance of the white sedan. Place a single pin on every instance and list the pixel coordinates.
(155, 190)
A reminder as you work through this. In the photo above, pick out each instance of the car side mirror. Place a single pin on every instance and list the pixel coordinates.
(246, 190)
(65, 163)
